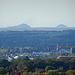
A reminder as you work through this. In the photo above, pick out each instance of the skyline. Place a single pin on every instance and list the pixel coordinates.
(37, 13)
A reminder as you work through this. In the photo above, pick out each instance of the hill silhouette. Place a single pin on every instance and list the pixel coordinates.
(61, 26)
(23, 27)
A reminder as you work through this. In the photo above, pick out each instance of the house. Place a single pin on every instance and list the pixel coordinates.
(10, 58)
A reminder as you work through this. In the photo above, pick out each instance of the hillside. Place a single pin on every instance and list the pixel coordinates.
(21, 27)
(36, 38)
(61, 26)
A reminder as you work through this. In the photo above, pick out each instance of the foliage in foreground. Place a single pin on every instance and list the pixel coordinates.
(49, 66)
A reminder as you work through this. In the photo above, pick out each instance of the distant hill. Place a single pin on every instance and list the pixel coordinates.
(40, 40)
(23, 27)
(61, 26)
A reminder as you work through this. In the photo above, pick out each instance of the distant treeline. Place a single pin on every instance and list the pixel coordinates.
(37, 39)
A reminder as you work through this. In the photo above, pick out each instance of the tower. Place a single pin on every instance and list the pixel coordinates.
(57, 50)
(71, 50)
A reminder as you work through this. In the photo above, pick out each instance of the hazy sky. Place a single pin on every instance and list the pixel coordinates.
(37, 13)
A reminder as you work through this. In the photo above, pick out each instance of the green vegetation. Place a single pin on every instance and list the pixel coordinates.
(19, 42)
(49, 66)
(36, 38)
(34, 41)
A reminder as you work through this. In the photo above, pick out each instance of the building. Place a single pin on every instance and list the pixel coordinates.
(59, 57)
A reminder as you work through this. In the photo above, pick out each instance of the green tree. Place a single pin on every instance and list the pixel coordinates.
(39, 63)
(4, 63)
(70, 72)
(49, 68)
(2, 70)
(52, 72)
(25, 64)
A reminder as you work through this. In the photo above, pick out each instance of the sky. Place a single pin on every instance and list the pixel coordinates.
(37, 13)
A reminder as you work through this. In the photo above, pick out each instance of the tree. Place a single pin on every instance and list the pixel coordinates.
(49, 68)
(12, 73)
(70, 72)
(17, 73)
(39, 63)
(25, 73)
(25, 64)
(60, 68)
(40, 71)
(4, 63)
(2, 70)
(52, 72)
